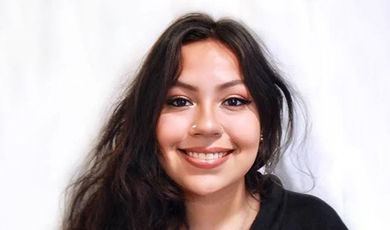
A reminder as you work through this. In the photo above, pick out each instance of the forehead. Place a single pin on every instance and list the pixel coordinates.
(210, 60)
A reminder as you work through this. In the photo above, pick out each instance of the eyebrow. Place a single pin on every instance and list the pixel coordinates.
(220, 87)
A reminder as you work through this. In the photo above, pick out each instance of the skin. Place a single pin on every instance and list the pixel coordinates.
(227, 118)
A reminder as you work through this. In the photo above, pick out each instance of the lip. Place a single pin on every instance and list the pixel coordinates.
(205, 164)
(206, 150)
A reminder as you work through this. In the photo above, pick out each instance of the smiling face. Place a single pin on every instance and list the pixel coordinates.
(209, 129)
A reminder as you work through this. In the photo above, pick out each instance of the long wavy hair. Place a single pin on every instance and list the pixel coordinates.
(124, 185)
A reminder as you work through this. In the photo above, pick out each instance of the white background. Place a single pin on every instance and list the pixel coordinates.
(64, 63)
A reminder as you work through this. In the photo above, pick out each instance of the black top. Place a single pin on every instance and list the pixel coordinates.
(285, 210)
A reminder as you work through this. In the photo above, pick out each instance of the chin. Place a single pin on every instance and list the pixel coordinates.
(210, 186)
(202, 186)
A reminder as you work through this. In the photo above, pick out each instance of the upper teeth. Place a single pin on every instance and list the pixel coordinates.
(207, 156)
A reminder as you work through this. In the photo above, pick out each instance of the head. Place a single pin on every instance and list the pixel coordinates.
(209, 128)
(131, 174)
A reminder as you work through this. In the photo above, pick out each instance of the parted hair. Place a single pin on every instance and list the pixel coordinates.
(124, 185)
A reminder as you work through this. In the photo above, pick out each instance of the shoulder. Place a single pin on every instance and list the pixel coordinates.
(303, 211)
(281, 209)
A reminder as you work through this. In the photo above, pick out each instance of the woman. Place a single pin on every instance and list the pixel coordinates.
(183, 148)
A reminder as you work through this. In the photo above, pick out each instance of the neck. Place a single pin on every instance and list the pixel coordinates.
(229, 208)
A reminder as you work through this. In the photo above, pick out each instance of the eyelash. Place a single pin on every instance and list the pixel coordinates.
(183, 101)
(239, 100)
(172, 101)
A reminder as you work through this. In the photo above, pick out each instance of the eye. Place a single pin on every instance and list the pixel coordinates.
(234, 101)
(178, 102)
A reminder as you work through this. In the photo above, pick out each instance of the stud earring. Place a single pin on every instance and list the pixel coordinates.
(261, 138)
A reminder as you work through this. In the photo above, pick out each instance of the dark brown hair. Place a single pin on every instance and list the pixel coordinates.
(124, 186)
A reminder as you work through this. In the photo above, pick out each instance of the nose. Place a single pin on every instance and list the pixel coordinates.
(206, 122)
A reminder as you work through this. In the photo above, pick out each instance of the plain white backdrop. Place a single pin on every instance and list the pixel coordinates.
(64, 63)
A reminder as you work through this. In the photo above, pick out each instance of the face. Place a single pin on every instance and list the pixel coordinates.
(209, 128)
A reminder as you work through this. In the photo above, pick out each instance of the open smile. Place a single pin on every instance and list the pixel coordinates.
(206, 158)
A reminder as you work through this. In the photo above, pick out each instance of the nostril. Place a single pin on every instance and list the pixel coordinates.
(206, 127)
(207, 130)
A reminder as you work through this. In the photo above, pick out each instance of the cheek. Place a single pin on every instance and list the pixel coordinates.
(244, 130)
(171, 130)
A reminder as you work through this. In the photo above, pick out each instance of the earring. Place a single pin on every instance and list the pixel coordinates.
(261, 138)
